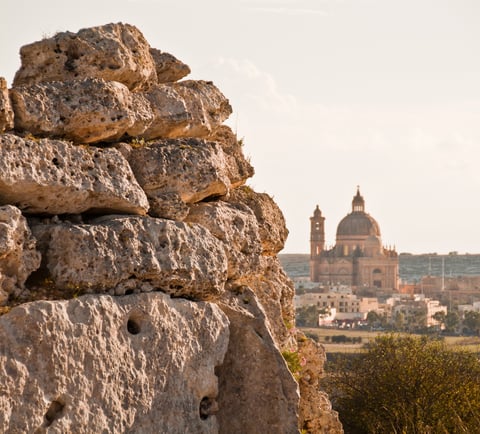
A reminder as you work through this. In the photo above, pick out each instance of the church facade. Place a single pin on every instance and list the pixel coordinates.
(358, 258)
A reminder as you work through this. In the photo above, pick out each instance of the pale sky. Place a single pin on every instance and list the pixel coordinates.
(328, 95)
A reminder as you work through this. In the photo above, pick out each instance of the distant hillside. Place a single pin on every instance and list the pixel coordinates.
(295, 265)
(412, 267)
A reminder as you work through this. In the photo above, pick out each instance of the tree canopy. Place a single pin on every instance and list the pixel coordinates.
(307, 316)
(406, 384)
(471, 321)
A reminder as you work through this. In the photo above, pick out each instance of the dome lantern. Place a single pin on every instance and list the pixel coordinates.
(358, 203)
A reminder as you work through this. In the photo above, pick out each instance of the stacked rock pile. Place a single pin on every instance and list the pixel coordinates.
(148, 294)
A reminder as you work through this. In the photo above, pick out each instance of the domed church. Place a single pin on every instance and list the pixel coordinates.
(358, 258)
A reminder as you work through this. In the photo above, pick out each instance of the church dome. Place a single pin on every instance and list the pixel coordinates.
(358, 223)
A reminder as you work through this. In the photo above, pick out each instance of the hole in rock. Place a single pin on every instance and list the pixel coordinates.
(54, 412)
(208, 407)
(137, 322)
(133, 327)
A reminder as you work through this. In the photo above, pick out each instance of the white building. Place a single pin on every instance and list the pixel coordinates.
(327, 318)
(345, 305)
(462, 308)
(416, 306)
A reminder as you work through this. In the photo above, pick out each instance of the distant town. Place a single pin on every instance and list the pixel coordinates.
(452, 280)
(358, 282)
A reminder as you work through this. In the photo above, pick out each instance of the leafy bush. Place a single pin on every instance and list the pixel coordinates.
(339, 339)
(343, 339)
(407, 385)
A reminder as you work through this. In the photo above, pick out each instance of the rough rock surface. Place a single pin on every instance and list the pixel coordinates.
(85, 111)
(236, 227)
(186, 109)
(55, 177)
(168, 205)
(316, 415)
(239, 168)
(123, 254)
(273, 231)
(257, 393)
(139, 363)
(168, 67)
(6, 112)
(275, 292)
(113, 52)
(93, 110)
(18, 256)
(176, 171)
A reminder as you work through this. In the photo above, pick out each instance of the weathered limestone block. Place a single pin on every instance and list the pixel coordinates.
(85, 111)
(236, 227)
(208, 106)
(168, 67)
(6, 112)
(239, 168)
(93, 110)
(18, 255)
(186, 109)
(141, 363)
(121, 254)
(55, 177)
(171, 116)
(257, 393)
(275, 292)
(316, 415)
(273, 231)
(174, 172)
(168, 205)
(113, 52)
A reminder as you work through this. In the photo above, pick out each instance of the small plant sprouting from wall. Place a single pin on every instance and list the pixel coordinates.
(293, 362)
(138, 142)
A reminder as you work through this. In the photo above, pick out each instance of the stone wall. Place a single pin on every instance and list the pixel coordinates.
(139, 282)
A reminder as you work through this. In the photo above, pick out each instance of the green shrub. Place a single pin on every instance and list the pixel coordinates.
(407, 385)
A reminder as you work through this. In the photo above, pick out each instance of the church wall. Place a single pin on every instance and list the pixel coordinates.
(388, 275)
(333, 270)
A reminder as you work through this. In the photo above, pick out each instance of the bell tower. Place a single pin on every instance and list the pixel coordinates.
(317, 242)
(317, 233)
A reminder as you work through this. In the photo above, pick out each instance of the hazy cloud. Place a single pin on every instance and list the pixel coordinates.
(259, 87)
